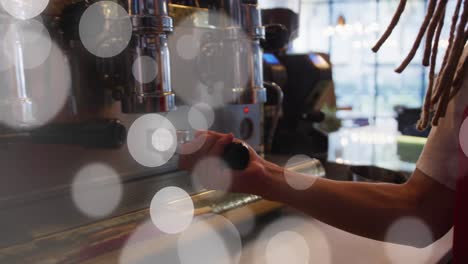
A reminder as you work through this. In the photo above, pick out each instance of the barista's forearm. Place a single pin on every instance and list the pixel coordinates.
(365, 209)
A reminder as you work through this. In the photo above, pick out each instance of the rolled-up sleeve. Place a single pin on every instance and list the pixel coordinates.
(439, 159)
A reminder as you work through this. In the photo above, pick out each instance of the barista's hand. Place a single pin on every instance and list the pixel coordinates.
(206, 163)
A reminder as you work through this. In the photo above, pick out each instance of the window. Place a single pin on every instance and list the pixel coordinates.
(347, 29)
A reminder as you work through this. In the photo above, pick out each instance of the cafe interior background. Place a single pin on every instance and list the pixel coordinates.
(76, 187)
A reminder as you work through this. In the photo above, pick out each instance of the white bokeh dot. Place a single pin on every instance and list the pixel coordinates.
(171, 210)
(210, 239)
(188, 46)
(96, 190)
(300, 179)
(143, 140)
(292, 239)
(25, 97)
(216, 67)
(144, 246)
(180, 119)
(105, 29)
(197, 119)
(201, 116)
(145, 69)
(5, 61)
(215, 96)
(24, 9)
(463, 136)
(162, 139)
(212, 173)
(247, 225)
(287, 247)
(27, 44)
(408, 230)
(192, 146)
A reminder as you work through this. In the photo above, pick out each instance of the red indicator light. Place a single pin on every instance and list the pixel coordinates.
(246, 110)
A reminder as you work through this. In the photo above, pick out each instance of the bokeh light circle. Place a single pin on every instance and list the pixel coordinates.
(105, 29)
(290, 239)
(96, 190)
(24, 9)
(212, 173)
(210, 239)
(145, 69)
(201, 116)
(247, 225)
(463, 136)
(216, 66)
(162, 139)
(5, 62)
(32, 97)
(141, 140)
(5, 22)
(192, 146)
(171, 210)
(144, 246)
(27, 44)
(287, 247)
(180, 119)
(405, 230)
(197, 119)
(215, 95)
(188, 46)
(296, 181)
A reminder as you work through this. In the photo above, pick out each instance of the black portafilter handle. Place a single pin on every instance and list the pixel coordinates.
(236, 156)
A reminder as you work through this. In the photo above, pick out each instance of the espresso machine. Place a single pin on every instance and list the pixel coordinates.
(224, 68)
(306, 87)
(104, 83)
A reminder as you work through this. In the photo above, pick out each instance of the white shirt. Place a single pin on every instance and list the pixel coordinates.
(439, 159)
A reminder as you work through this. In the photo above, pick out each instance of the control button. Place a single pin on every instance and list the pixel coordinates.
(246, 128)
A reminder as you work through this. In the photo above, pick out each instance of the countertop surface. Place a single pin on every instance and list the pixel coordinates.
(288, 236)
(371, 145)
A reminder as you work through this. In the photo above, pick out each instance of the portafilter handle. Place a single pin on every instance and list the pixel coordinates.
(236, 155)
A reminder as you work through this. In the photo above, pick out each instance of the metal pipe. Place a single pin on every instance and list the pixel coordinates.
(276, 116)
(243, 40)
(21, 104)
(233, 12)
(151, 24)
(148, 7)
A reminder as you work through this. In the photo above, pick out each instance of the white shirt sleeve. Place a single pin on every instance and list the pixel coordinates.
(439, 159)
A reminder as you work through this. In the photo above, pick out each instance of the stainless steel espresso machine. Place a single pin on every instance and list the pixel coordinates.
(217, 54)
(136, 57)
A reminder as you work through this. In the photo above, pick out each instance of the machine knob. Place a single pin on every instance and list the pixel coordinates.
(246, 129)
(236, 156)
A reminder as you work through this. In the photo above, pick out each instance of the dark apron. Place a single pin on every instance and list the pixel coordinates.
(460, 238)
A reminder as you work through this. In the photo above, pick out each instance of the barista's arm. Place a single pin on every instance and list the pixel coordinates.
(365, 209)
(369, 209)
